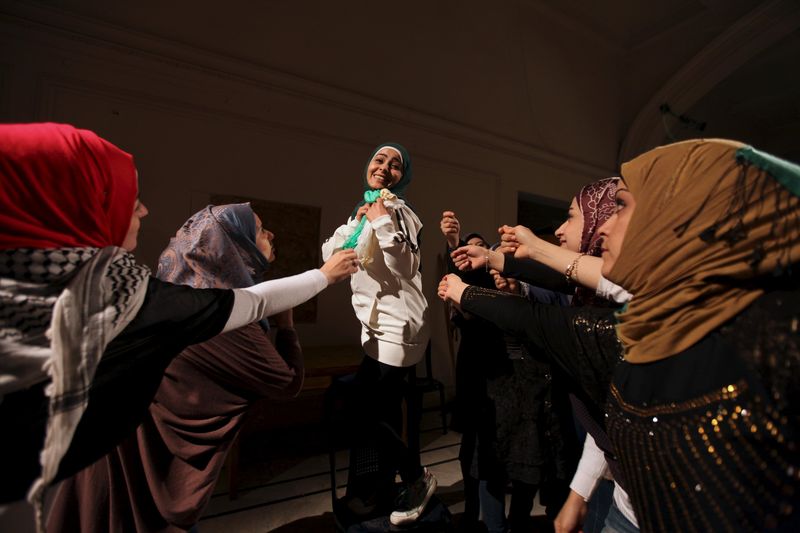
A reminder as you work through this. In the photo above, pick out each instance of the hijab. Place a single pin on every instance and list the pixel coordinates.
(371, 195)
(66, 200)
(399, 188)
(215, 248)
(713, 218)
(63, 187)
(597, 202)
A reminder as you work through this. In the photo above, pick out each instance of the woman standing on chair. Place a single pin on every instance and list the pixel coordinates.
(388, 300)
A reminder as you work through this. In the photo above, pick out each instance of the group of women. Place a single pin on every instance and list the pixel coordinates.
(679, 349)
(690, 387)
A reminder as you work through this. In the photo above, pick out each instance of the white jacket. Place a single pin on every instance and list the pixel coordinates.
(387, 289)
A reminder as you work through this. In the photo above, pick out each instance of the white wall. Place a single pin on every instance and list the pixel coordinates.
(288, 105)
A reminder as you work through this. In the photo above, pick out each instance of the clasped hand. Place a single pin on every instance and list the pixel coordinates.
(372, 211)
(451, 288)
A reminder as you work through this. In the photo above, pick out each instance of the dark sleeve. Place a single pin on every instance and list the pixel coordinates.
(536, 273)
(582, 341)
(171, 318)
(245, 359)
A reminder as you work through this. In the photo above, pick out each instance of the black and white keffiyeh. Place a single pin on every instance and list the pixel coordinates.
(59, 309)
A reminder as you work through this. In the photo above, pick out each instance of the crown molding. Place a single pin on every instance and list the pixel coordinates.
(51, 26)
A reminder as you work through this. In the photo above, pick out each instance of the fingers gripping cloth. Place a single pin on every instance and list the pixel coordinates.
(369, 197)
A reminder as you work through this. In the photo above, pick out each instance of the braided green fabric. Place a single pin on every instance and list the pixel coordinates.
(369, 197)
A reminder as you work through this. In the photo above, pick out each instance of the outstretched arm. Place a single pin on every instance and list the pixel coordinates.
(583, 269)
(277, 295)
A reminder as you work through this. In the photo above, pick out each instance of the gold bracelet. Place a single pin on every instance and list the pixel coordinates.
(571, 273)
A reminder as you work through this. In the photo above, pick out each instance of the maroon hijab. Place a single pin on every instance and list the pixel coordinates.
(597, 202)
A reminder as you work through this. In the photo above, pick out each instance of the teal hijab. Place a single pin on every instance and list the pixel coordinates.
(398, 188)
(370, 194)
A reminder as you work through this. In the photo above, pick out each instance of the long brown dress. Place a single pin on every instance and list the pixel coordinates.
(161, 478)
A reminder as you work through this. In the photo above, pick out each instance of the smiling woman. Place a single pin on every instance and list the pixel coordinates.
(388, 300)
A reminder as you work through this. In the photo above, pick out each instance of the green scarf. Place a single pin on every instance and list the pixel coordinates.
(370, 196)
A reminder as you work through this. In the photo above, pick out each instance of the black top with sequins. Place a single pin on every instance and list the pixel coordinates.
(707, 437)
(581, 341)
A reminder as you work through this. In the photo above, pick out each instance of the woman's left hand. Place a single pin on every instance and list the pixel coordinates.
(451, 288)
(376, 209)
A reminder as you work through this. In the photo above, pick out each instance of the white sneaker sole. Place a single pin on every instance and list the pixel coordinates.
(401, 519)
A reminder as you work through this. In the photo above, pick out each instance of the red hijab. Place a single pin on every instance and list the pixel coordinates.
(63, 187)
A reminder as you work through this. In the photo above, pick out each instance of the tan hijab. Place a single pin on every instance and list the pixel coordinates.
(711, 216)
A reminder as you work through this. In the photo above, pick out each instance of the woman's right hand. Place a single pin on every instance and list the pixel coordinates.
(340, 266)
(469, 257)
(451, 228)
(362, 211)
(451, 288)
(519, 240)
(572, 515)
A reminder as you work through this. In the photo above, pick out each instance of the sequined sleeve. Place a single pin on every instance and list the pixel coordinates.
(580, 340)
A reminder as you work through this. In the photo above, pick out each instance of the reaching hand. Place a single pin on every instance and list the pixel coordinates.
(451, 228)
(376, 209)
(504, 284)
(451, 288)
(508, 240)
(519, 240)
(340, 266)
(572, 514)
(469, 257)
(362, 211)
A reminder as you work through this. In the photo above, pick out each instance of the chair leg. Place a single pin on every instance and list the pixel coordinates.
(444, 413)
(332, 463)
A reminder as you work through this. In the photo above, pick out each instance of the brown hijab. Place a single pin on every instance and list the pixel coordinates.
(712, 216)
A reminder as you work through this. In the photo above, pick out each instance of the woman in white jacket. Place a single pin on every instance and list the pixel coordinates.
(388, 300)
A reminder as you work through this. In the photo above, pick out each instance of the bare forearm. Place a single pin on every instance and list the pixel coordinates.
(586, 272)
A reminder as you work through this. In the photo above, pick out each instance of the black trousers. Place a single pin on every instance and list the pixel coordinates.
(375, 409)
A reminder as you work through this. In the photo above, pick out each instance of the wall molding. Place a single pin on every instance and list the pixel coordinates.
(51, 26)
(752, 34)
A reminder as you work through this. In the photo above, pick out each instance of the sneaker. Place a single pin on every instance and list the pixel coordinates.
(415, 498)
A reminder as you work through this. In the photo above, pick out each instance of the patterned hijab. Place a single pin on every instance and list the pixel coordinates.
(713, 219)
(597, 202)
(215, 248)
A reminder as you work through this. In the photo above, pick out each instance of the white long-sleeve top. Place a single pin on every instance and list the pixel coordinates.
(274, 296)
(591, 469)
(387, 289)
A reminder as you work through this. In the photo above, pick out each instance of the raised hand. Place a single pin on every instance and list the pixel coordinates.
(504, 284)
(340, 266)
(508, 240)
(469, 257)
(451, 228)
(362, 211)
(451, 288)
(376, 209)
(519, 240)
